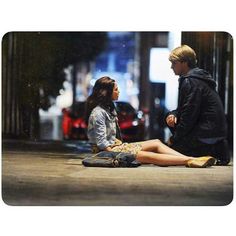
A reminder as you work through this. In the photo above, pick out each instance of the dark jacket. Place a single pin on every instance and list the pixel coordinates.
(200, 114)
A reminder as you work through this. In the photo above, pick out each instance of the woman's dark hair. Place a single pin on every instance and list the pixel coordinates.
(101, 95)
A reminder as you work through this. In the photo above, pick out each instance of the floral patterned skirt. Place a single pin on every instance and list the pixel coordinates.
(132, 148)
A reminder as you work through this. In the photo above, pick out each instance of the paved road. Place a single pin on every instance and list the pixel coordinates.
(53, 178)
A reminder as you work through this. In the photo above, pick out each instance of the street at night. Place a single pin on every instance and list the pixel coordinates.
(51, 173)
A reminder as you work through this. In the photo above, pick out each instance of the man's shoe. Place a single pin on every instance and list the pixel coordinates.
(201, 162)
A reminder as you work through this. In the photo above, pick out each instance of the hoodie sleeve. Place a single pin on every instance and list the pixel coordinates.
(188, 110)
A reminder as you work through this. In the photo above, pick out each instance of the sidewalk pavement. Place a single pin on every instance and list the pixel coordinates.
(51, 173)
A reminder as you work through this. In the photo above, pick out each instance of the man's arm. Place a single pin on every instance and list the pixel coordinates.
(189, 110)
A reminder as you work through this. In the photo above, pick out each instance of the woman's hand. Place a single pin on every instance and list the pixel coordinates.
(117, 143)
(109, 149)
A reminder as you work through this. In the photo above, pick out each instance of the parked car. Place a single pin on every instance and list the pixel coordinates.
(73, 124)
(131, 122)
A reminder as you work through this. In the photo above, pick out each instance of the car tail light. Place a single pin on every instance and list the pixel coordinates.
(79, 123)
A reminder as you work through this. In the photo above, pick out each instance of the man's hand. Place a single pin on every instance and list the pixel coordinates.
(171, 120)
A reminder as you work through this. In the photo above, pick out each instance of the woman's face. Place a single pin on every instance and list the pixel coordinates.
(115, 93)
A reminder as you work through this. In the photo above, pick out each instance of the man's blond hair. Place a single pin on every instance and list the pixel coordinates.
(184, 54)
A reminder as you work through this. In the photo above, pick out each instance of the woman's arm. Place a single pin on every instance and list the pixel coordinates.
(98, 122)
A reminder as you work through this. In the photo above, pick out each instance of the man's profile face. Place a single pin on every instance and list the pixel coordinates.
(179, 68)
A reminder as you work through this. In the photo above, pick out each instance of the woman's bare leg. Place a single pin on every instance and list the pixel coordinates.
(147, 157)
(155, 145)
